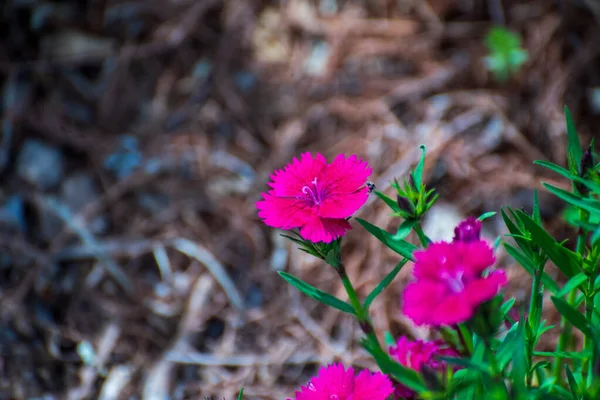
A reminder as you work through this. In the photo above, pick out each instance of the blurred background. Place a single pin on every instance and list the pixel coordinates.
(136, 137)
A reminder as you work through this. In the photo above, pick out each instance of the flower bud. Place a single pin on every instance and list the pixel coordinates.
(405, 204)
(468, 231)
(586, 164)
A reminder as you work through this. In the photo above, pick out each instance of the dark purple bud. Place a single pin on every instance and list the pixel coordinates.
(405, 204)
(468, 230)
(587, 162)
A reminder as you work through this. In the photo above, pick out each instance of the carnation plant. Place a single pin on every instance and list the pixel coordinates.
(482, 345)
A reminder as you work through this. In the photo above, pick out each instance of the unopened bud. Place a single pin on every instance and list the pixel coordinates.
(468, 230)
(587, 163)
(405, 204)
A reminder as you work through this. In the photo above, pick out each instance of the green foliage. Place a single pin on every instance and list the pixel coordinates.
(506, 56)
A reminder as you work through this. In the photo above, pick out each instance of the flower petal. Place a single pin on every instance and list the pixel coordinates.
(284, 213)
(288, 182)
(343, 205)
(421, 298)
(369, 386)
(452, 310)
(482, 290)
(346, 175)
(318, 229)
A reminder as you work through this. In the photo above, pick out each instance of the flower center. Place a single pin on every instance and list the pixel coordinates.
(454, 282)
(312, 192)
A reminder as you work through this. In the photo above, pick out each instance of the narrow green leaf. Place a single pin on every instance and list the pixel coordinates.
(519, 361)
(572, 383)
(389, 339)
(404, 229)
(530, 267)
(393, 204)
(555, 168)
(573, 143)
(482, 367)
(384, 283)
(317, 294)
(487, 215)
(572, 315)
(241, 395)
(571, 355)
(418, 173)
(401, 247)
(516, 232)
(505, 308)
(590, 205)
(572, 284)
(566, 260)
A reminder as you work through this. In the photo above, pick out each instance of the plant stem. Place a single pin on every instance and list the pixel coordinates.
(422, 236)
(563, 340)
(362, 314)
(534, 305)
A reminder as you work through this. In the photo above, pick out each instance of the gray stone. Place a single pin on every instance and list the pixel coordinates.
(40, 164)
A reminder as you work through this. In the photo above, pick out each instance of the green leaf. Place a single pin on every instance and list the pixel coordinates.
(530, 267)
(573, 144)
(401, 247)
(487, 215)
(404, 229)
(556, 168)
(418, 173)
(572, 383)
(519, 361)
(317, 294)
(566, 260)
(241, 395)
(572, 284)
(384, 283)
(516, 232)
(393, 204)
(590, 205)
(508, 304)
(389, 339)
(572, 315)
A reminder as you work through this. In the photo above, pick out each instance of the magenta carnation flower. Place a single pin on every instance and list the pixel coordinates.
(419, 353)
(333, 382)
(451, 282)
(315, 196)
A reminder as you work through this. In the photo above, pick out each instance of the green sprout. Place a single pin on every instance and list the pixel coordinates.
(506, 54)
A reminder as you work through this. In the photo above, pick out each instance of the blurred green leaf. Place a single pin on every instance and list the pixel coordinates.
(317, 294)
(590, 205)
(418, 172)
(393, 204)
(572, 284)
(573, 143)
(566, 260)
(530, 267)
(572, 315)
(487, 215)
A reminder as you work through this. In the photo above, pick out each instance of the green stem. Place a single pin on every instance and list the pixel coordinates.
(563, 340)
(588, 345)
(422, 236)
(362, 315)
(534, 305)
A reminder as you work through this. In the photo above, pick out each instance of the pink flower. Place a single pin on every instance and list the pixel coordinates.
(468, 230)
(315, 196)
(451, 282)
(415, 355)
(333, 382)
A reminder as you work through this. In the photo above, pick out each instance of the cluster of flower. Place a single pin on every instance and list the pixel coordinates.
(451, 279)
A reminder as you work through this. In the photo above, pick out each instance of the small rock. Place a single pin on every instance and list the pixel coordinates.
(12, 215)
(40, 164)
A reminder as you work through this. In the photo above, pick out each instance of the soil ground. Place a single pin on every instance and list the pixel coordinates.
(137, 136)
